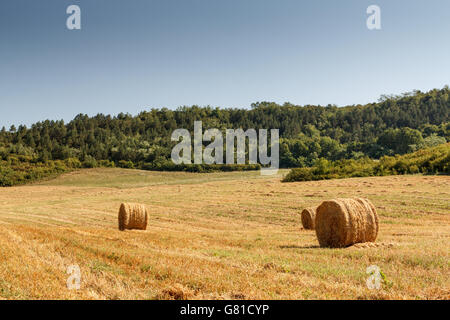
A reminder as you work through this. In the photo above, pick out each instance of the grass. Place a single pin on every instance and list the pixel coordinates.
(130, 178)
(230, 235)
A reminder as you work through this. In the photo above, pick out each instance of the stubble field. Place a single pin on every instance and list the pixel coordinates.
(218, 236)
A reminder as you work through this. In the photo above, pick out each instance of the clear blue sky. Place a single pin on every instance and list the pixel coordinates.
(130, 56)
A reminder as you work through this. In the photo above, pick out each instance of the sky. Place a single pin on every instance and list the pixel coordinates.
(131, 56)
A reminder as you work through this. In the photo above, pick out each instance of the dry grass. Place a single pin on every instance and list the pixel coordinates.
(218, 236)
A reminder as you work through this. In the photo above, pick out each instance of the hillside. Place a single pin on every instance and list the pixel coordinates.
(308, 134)
(432, 160)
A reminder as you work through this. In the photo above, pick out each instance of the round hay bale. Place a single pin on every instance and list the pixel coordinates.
(308, 218)
(133, 216)
(343, 222)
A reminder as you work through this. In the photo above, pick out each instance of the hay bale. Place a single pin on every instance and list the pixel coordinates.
(133, 216)
(308, 218)
(343, 222)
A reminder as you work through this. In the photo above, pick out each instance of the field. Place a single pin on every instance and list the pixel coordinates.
(232, 235)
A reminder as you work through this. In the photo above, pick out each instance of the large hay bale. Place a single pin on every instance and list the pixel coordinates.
(133, 216)
(308, 218)
(343, 222)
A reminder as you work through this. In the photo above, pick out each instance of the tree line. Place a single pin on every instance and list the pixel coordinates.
(393, 125)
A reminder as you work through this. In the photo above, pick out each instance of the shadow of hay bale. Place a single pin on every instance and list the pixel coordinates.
(299, 247)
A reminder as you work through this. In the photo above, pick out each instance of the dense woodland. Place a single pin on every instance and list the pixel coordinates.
(395, 125)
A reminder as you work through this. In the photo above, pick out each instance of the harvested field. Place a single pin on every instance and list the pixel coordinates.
(218, 236)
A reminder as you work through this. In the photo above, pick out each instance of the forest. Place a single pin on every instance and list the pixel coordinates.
(309, 135)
